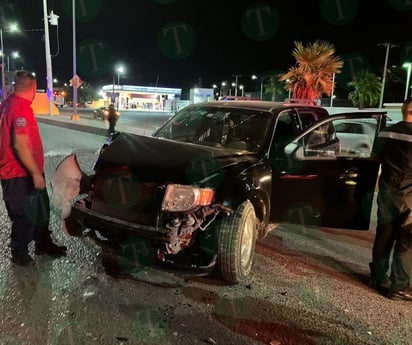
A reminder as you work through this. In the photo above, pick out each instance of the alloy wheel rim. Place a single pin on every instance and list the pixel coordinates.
(247, 243)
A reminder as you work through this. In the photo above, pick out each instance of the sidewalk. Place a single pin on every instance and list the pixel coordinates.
(86, 123)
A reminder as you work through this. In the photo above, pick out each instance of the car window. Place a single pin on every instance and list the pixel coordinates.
(356, 137)
(285, 130)
(340, 138)
(322, 141)
(309, 117)
(238, 129)
(349, 128)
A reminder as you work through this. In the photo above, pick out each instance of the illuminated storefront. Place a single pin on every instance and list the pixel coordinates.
(141, 97)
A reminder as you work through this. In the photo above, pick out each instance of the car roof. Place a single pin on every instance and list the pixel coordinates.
(257, 105)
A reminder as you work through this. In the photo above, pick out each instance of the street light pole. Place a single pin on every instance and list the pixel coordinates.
(261, 90)
(236, 80)
(12, 28)
(50, 95)
(75, 116)
(332, 91)
(119, 70)
(407, 65)
(222, 89)
(385, 67)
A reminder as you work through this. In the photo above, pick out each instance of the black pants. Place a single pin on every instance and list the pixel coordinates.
(393, 235)
(29, 212)
(112, 124)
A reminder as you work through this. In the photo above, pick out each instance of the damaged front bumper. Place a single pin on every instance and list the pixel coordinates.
(83, 217)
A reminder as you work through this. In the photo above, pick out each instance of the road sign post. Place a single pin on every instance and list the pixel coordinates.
(76, 83)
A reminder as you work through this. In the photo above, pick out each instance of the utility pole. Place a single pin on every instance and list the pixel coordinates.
(75, 116)
(385, 68)
(50, 95)
(236, 80)
(332, 93)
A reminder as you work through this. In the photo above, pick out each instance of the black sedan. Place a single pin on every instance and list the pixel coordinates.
(213, 179)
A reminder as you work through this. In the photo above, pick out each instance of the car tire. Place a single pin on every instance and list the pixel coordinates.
(236, 244)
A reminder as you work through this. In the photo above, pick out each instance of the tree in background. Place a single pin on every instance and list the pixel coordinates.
(273, 89)
(366, 90)
(85, 93)
(313, 73)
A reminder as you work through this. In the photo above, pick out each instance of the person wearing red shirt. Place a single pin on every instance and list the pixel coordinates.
(22, 173)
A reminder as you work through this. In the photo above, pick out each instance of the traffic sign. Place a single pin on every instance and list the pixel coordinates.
(76, 81)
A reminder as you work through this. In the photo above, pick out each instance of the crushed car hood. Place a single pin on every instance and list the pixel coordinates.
(171, 160)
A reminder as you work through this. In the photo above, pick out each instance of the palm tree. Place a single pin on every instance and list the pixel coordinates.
(366, 90)
(313, 73)
(273, 89)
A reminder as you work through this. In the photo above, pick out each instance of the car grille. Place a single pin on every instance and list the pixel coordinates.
(119, 193)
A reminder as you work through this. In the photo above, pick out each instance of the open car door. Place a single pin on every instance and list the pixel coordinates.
(323, 178)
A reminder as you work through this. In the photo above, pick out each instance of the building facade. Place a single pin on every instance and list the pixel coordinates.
(141, 97)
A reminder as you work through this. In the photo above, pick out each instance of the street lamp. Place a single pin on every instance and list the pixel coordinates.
(13, 27)
(241, 87)
(216, 94)
(120, 69)
(230, 89)
(255, 77)
(289, 90)
(223, 84)
(14, 55)
(408, 66)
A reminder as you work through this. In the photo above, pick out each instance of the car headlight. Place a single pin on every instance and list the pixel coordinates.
(181, 198)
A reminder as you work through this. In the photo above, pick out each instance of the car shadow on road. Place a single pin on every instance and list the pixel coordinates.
(312, 248)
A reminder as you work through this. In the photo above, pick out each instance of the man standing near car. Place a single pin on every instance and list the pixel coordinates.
(22, 173)
(393, 149)
(112, 118)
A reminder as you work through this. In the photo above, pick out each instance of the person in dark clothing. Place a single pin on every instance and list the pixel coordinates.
(393, 149)
(112, 118)
(22, 173)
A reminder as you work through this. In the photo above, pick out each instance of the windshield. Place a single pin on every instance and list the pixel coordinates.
(237, 129)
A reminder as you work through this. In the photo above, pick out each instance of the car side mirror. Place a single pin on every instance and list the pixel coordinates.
(294, 149)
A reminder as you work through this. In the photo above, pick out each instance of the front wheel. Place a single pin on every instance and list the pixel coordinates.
(236, 244)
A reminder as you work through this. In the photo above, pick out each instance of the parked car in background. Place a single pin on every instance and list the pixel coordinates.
(356, 137)
(213, 179)
(101, 113)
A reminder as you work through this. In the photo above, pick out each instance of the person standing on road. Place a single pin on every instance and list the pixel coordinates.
(22, 173)
(112, 118)
(393, 149)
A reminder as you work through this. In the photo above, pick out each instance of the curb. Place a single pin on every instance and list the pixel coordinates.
(74, 126)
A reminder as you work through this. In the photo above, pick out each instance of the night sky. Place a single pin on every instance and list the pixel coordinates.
(183, 43)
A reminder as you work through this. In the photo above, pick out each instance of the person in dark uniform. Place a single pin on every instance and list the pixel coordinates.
(393, 149)
(112, 118)
(22, 173)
